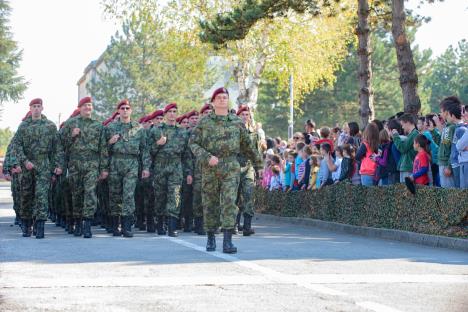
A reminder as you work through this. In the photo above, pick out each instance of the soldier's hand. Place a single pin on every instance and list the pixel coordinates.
(75, 132)
(162, 140)
(54, 178)
(104, 175)
(189, 180)
(8, 177)
(213, 161)
(58, 171)
(16, 169)
(145, 174)
(448, 172)
(114, 139)
(29, 165)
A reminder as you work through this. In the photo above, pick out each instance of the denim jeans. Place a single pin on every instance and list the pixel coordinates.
(367, 180)
(446, 182)
(464, 175)
(403, 175)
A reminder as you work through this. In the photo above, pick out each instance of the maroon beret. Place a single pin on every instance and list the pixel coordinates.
(84, 100)
(123, 102)
(243, 108)
(192, 113)
(26, 116)
(206, 107)
(222, 90)
(155, 114)
(170, 106)
(75, 113)
(143, 119)
(35, 101)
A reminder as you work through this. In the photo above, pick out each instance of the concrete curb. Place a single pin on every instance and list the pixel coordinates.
(397, 235)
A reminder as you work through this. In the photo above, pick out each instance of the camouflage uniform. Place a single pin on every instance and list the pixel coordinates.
(125, 156)
(36, 142)
(87, 157)
(9, 163)
(169, 162)
(224, 137)
(64, 197)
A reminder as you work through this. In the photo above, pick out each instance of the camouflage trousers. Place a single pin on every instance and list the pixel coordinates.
(246, 186)
(123, 178)
(196, 191)
(83, 175)
(16, 192)
(35, 186)
(186, 207)
(167, 182)
(219, 192)
(103, 198)
(59, 197)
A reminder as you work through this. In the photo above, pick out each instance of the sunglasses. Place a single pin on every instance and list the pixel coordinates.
(125, 108)
(297, 138)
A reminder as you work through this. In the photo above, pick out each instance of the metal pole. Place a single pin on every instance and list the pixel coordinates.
(291, 108)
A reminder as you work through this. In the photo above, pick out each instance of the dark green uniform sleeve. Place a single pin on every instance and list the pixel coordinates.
(187, 161)
(103, 151)
(144, 150)
(249, 149)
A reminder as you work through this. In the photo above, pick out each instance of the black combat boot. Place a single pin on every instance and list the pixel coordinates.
(26, 227)
(172, 226)
(139, 222)
(17, 220)
(109, 228)
(57, 220)
(34, 225)
(53, 217)
(87, 229)
(228, 247)
(40, 228)
(248, 230)
(237, 226)
(160, 226)
(115, 226)
(211, 242)
(127, 226)
(150, 225)
(78, 227)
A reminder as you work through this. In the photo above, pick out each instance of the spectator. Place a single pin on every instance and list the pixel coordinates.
(354, 136)
(275, 182)
(462, 148)
(336, 173)
(310, 135)
(289, 171)
(422, 161)
(314, 169)
(304, 169)
(367, 153)
(344, 135)
(271, 146)
(379, 124)
(405, 146)
(260, 131)
(325, 134)
(430, 126)
(383, 159)
(451, 113)
(347, 164)
(324, 174)
(298, 160)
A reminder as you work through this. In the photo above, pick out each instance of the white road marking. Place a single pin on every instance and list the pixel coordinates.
(276, 276)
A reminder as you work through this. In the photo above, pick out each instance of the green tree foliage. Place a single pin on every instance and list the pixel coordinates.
(151, 63)
(5, 137)
(12, 85)
(449, 75)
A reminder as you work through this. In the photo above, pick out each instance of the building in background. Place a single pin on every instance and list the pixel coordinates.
(89, 74)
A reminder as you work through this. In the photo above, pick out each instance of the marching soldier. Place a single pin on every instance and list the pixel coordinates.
(127, 147)
(36, 145)
(247, 175)
(168, 144)
(83, 138)
(216, 142)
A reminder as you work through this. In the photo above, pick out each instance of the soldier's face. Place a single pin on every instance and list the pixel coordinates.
(171, 115)
(158, 120)
(86, 109)
(36, 110)
(207, 112)
(147, 124)
(184, 123)
(221, 101)
(245, 116)
(193, 121)
(125, 111)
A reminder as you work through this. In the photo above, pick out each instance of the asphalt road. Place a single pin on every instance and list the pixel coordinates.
(281, 268)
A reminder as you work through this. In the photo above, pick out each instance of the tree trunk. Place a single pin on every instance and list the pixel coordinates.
(408, 76)
(366, 97)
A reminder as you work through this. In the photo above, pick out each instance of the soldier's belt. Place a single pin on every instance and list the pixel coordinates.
(124, 156)
(227, 158)
(84, 156)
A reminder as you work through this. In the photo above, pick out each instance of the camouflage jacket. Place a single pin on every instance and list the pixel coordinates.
(90, 144)
(255, 139)
(223, 137)
(132, 141)
(176, 146)
(37, 140)
(10, 159)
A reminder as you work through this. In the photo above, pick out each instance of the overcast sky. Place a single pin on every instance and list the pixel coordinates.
(60, 38)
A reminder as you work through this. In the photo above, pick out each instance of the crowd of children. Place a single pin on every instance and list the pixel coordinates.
(428, 150)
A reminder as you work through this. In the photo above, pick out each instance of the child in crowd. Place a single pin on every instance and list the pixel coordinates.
(422, 160)
(347, 164)
(429, 127)
(383, 159)
(298, 160)
(337, 165)
(304, 169)
(367, 153)
(314, 169)
(462, 148)
(325, 134)
(275, 181)
(289, 171)
(405, 147)
(324, 175)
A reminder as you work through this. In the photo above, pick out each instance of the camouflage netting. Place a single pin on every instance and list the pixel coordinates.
(431, 211)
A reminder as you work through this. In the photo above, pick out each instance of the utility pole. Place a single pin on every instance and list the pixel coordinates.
(291, 108)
